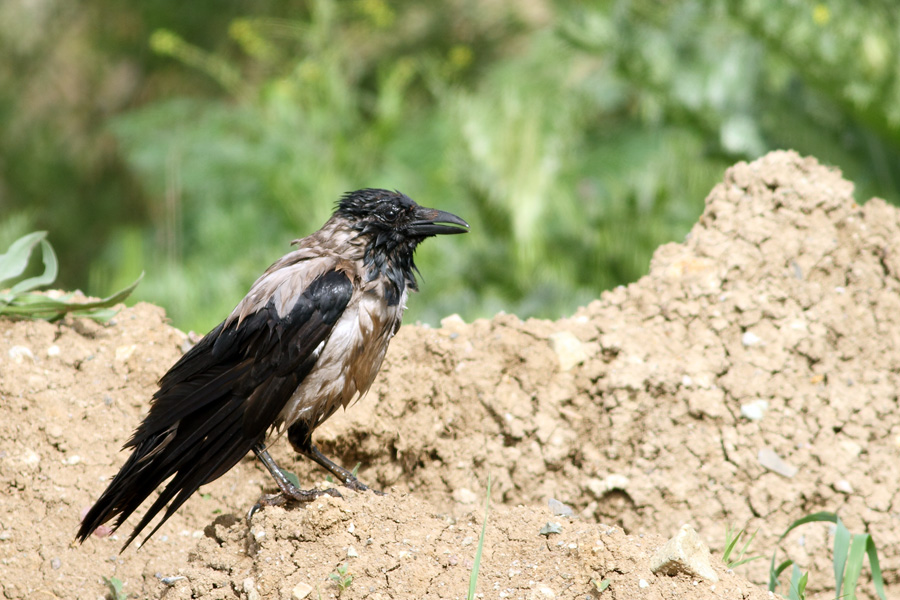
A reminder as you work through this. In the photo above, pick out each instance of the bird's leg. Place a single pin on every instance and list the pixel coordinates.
(341, 474)
(289, 491)
(300, 438)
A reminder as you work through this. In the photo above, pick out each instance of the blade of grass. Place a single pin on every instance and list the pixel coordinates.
(841, 547)
(854, 563)
(815, 517)
(798, 584)
(848, 556)
(731, 541)
(473, 578)
(775, 573)
(877, 579)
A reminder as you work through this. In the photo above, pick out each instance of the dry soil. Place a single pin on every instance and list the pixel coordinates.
(749, 379)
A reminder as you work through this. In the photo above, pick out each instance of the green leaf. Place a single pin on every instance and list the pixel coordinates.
(51, 268)
(815, 517)
(798, 584)
(839, 560)
(731, 540)
(14, 262)
(20, 302)
(775, 573)
(854, 563)
(38, 306)
(877, 579)
(848, 556)
(291, 477)
(115, 588)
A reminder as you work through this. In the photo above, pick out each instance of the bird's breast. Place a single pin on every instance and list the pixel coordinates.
(348, 361)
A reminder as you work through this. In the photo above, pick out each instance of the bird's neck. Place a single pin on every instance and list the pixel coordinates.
(394, 266)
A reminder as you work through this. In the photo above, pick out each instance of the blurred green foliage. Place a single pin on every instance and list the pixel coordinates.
(195, 141)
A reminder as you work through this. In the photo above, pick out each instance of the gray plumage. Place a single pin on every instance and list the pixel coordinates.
(308, 338)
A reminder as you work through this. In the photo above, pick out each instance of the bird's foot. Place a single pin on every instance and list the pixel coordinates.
(293, 494)
(356, 485)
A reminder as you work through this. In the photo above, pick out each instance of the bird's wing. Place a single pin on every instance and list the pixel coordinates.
(222, 396)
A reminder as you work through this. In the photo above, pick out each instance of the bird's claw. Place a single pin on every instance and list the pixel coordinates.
(355, 484)
(358, 486)
(295, 495)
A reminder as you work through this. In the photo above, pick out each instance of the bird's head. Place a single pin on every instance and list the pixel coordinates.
(391, 225)
(393, 220)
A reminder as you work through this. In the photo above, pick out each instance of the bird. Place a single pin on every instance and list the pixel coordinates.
(309, 337)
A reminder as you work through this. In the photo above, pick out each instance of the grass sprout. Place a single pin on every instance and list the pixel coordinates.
(342, 577)
(21, 301)
(850, 551)
(473, 578)
(732, 538)
(797, 589)
(115, 588)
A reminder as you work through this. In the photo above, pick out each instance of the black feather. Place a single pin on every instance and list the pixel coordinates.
(218, 401)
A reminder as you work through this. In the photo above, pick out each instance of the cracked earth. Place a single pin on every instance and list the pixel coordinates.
(749, 379)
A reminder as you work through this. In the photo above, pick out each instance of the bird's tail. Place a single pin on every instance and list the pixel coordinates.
(194, 450)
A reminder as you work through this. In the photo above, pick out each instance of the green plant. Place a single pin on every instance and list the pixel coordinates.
(292, 477)
(473, 578)
(849, 553)
(600, 585)
(21, 301)
(797, 590)
(341, 577)
(731, 539)
(115, 588)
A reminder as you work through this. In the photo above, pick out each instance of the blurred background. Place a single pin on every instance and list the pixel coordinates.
(195, 140)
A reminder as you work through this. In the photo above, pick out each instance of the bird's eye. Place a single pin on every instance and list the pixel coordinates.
(390, 213)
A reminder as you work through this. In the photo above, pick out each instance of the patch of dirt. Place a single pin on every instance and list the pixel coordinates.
(768, 338)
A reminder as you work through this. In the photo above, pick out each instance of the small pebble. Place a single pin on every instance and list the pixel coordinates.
(643, 583)
(750, 339)
(558, 508)
(55, 564)
(754, 411)
(465, 496)
(843, 486)
(549, 528)
(301, 591)
(20, 353)
(769, 459)
(250, 589)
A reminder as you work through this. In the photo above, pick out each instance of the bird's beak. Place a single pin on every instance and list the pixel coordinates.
(430, 221)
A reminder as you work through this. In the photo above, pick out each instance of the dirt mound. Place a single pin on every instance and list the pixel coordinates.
(748, 379)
